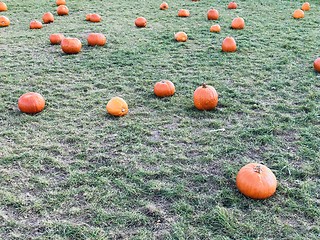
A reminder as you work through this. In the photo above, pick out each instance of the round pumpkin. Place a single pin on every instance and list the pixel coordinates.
(35, 24)
(61, 2)
(140, 22)
(229, 45)
(232, 5)
(305, 6)
(205, 97)
(47, 17)
(181, 37)
(56, 38)
(71, 45)
(256, 181)
(213, 14)
(164, 6)
(4, 21)
(183, 13)
(237, 23)
(298, 14)
(62, 10)
(316, 64)
(94, 17)
(96, 39)
(117, 107)
(31, 102)
(215, 28)
(164, 88)
(3, 7)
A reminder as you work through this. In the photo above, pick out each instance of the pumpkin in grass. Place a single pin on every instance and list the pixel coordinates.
(316, 64)
(4, 21)
(140, 22)
(62, 10)
(71, 45)
(3, 7)
(164, 88)
(31, 102)
(237, 23)
(232, 5)
(164, 6)
(61, 2)
(213, 14)
(256, 181)
(181, 37)
(298, 14)
(183, 13)
(215, 28)
(56, 38)
(94, 17)
(305, 6)
(35, 24)
(47, 17)
(229, 45)
(96, 39)
(205, 97)
(117, 107)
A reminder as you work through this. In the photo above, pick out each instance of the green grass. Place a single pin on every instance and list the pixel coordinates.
(166, 170)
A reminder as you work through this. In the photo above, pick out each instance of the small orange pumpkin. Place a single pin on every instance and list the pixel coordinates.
(215, 28)
(94, 17)
(164, 88)
(256, 181)
(164, 6)
(96, 39)
(140, 22)
(35, 24)
(181, 37)
(229, 45)
(237, 23)
(232, 5)
(56, 38)
(61, 2)
(47, 17)
(298, 14)
(4, 21)
(205, 97)
(71, 45)
(316, 64)
(183, 13)
(62, 10)
(305, 6)
(117, 107)
(31, 103)
(3, 7)
(213, 14)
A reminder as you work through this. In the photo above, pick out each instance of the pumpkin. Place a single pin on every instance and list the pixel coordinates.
(213, 14)
(237, 23)
(164, 88)
(140, 22)
(35, 24)
(256, 181)
(71, 45)
(316, 64)
(305, 6)
(96, 39)
(62, 10)
(47, 17)
(3, 7)
(183, 13)
(164, 6)
(31, 102)
(181, 37)
(117, 107)
(61, 2)
(56, 38)
(205, 97)
(229, 45)
(88, 16)
(232, 5)
(215, 28)
(94, 17)
(4, 21)
(298, 14)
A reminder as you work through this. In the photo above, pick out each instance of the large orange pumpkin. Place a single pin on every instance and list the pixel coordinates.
(305, 6)
(117, 107)
(237, 23)
(164, 88)
(94, 17)
(181, 37)
(35, 24)
(62, 10)
(229, 45)
(140, 22)
(164, 6)
(213, 14)
(256, 181)
(205, 97)
(56, 38)
(31, 102)
(71, 45)
(232, 5)
(316, 64)
(298, 14)
(61, 2)
(183, 13)
(215, 28)
(4, 21)
(47, 17)
(3, 7)
(96, 39)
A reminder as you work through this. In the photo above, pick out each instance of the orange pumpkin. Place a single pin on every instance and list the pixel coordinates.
(3, 7)
(61, 2)
(117, 107)
(305, 6)
(164, 88)
(298, 14)
(316, 64)
(35, 24)
(31, 102)
(215, 28)
(56, 38)
(232, 5)
(256, 181)
(94, 17)
(47, 17)
(4, 21)
(88, 16)
(183, 13)
(205, 97)
(96, 39)
(213, 14)
(229, 45)
(164, 6)
(71, 45)
(62, 10)
(181, 37)
(237, 23)
(140, 22)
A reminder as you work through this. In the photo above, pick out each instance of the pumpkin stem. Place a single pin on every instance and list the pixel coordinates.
(204, 85)
(257, 169)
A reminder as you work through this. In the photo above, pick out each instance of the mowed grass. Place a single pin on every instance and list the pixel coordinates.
(166, 170)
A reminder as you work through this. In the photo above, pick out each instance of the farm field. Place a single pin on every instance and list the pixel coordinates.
(165, 170)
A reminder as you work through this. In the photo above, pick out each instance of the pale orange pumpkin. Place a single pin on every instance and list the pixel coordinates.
(35, 24)
(205, 97)
(213, 14)
(305, 6)
(316, 64)
(215, 28)
(56, 38)
(117, 106)
(47, 17)
(181, 37)
(96, 39)
(31, 103)
(164, 88)
(237, 23)
(61, 2)
(232, 5)
(164, 6)
(71, 45)
(3, 7)
(4, 21)
(229, 45)
(298, 14)
(183, 13)
(140, 22)
(94, 17)
(62, 10)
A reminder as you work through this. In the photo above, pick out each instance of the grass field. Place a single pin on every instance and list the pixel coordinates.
(166, 170)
